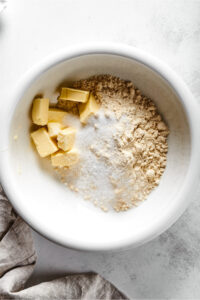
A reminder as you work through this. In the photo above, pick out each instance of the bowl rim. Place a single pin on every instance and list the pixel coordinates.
(190, 107)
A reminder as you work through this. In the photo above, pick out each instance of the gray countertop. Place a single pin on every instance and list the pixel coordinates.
(169, 266)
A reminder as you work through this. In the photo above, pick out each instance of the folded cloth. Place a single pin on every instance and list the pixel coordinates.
(17, 261)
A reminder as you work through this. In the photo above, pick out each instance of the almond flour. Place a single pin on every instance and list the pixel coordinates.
(123, 148)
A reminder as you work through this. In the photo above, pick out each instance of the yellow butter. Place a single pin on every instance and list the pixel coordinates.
(87, 109)
(74, 95)
(54, 129)
(44, 145)
(40, 111)
(56, 115)
(65, 159)
(66, 138)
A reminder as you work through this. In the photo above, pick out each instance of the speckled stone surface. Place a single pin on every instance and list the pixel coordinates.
(169, 266)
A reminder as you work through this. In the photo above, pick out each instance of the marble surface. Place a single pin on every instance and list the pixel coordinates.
(169, 266)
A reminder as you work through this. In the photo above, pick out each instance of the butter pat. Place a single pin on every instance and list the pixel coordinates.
(64, 159)
(74, 95)
(87, 109)
(40, 111)
(56, 115)
(44, 145)
(66, 138)
(54, 129)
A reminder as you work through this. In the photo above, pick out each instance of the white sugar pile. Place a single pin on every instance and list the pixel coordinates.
(91, 176)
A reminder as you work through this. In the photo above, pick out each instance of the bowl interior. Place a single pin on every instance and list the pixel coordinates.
(58, 213)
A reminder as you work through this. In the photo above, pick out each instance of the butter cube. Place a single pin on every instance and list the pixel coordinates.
(66, 138)
(40, 111)
(56, 115)
(87, 109)
(54, 129)
(64, 159)
(74, 95)
(44, 145)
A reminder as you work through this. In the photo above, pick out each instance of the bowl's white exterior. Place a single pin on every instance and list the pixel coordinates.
(44, 202)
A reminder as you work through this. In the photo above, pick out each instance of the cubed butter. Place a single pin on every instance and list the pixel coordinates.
(40, 111)
(56, 115)
(54, 129)
(66, 138)
(44, 145)
(74, 95)
(87, 109)
(65, 159)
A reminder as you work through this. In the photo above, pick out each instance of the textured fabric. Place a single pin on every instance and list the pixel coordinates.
(17, 261)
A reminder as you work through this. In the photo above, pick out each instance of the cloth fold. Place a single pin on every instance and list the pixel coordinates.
(18, 258)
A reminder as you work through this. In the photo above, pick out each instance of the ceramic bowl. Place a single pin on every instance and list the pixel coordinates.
(45, 203)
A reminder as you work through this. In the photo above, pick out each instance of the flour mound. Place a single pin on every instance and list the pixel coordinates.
(123, 148)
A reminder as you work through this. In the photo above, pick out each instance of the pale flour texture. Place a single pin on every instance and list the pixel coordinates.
(123, 149)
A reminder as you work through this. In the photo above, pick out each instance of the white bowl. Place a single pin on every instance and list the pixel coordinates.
(47, 205)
